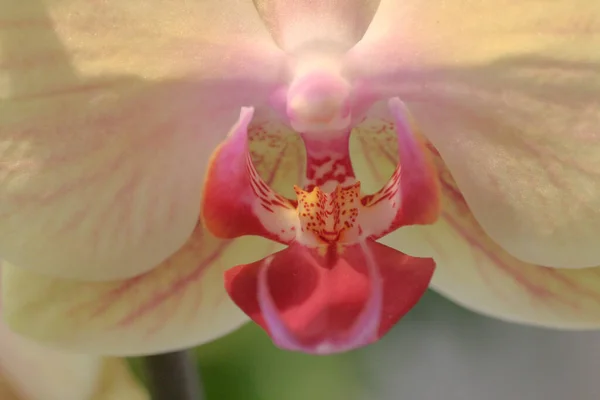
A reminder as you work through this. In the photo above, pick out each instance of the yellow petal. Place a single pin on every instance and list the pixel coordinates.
(180, 303)
(477, 273)
(108, 113)
(509, 92)
(299, 23)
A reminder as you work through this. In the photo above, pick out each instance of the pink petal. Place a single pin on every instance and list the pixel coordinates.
(301, 23)
(316, 301)
(237, 200)
(411, 196)
(110, 113)
(477, 273)
(512, 104)
(180, 303)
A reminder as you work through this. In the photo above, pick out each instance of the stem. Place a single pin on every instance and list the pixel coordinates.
(173, 376)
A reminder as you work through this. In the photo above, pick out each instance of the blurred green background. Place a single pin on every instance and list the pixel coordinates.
(439, 351)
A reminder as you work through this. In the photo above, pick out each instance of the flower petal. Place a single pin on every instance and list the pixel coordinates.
(180, 303)
(109, 113)
(476, 272)
(237, 201)
(316, 301)
(411, 196)
(512, 102)
(294, 24)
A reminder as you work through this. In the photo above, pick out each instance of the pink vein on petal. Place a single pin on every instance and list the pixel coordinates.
(173, 289)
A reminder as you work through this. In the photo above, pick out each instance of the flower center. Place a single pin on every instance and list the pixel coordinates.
(328, 218)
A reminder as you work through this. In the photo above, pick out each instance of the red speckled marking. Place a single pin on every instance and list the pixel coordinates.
(237, 201)
(268, 198)
(388, 193)
(330, 217)
(328, 161)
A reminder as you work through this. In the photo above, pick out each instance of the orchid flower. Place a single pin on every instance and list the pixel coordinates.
(167, 170)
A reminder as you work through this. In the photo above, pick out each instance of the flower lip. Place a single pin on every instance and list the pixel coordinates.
(310, 303)
(363, 330)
